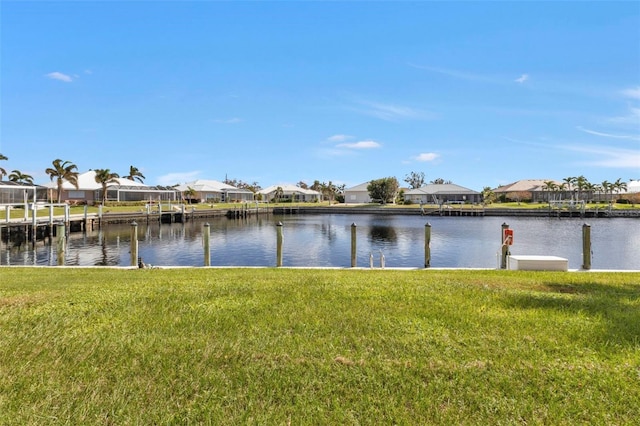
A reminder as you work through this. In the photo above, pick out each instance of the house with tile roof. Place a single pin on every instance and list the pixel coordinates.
(536, 187)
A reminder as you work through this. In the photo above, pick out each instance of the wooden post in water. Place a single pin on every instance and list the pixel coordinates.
(505, 247)
(206, 234)
(354, 260)
(134, 243)
(61, 243)
(586, 246)
(427, 248)
(67, 218)
(51, 217)
(34, 224)
(279, 227)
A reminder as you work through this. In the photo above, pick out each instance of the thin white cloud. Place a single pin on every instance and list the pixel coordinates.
(426, 157)
(632, 118)
(59, 76)
(462, 75)
(391, 112)
(234, 120)
(522, 78)
(180, 177)
(339, 138)
(608, 135)
(633, 93)
(617, 158)
(360, 145)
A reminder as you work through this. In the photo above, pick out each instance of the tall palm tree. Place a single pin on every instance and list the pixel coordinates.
(63, 170)
(104, 177)
(18, 176)
(135, 174)
(550, 186)
(569, 182)
(581, 183)
(278, 194)
(3, 172)
(618, 186)
(606, 187)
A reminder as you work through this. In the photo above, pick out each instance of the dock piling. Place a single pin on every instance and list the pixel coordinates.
(280, 238)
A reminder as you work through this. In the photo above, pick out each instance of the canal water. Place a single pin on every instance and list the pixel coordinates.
(325, 241)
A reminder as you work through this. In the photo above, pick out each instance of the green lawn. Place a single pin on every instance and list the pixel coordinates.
(288, 346)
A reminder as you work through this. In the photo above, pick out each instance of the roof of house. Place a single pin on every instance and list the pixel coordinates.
(525, 185)
(358, 188)
(205, 185)
(12, 184)
(87, 182)
(633, 186)
(288, 188)
(445, 188)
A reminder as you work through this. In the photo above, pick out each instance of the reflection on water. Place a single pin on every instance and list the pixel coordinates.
(325, 240)
(383, 234)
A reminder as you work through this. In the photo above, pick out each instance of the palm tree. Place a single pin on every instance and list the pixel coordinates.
(550, 186)
(190, 194)
(104, 177)
(569, 183)
(606, 187)
(18, 176)
(3, 172)
(591, 189)
(618, 186)
(63, 170)
(135, 174)
(581, 183)
(278, 194)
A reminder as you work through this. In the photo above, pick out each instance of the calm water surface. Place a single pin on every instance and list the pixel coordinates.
(325, 240)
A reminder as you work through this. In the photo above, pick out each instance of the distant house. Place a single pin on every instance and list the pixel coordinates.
(20, 193)
(442, 193)
(536, 187)
(290, 192)
(357, 194)
(213, 191)
(89, 191)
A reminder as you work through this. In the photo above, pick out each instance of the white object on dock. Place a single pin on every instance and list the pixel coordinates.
(537, 263)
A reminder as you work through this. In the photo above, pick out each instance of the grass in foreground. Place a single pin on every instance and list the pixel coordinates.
(273, 346)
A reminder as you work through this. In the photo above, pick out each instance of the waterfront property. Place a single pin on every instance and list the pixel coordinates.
(357, 194)
(21, 193)
(213, 191)
(443, 193)
(90, 192)
(288, 192)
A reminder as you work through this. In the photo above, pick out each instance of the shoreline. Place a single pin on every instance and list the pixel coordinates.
(242, 212)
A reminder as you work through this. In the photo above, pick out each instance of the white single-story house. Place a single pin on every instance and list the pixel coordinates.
(442, 193)
(357, 194)
(290, 192)
(213, 191)
(89, 191)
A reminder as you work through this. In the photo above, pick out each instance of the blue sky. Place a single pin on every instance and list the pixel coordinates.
(479, 93)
